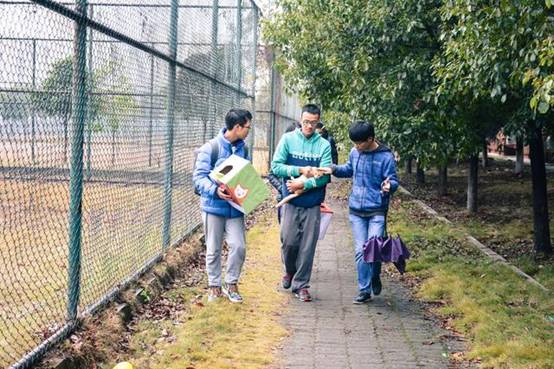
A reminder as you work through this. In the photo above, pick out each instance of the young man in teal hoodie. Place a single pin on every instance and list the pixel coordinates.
(372, 166)
(297, 152)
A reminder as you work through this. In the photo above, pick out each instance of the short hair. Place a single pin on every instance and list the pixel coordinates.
(361, 130)
(312, 109)
(237, 116)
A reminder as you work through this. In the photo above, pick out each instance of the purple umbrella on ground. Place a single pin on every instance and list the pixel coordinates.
(389, 249)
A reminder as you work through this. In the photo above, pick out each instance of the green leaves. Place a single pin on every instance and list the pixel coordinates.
(436, 76)
(510, 47)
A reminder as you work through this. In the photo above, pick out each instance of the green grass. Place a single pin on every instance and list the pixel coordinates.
(513, 229)
(508, 321)
(221, 334)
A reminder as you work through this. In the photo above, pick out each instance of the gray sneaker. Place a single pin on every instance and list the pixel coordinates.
(232, 292)
(214, 293)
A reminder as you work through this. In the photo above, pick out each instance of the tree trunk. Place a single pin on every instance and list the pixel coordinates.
(443, 180)
(485, 159)
(541, 226)
(420, 174)
(472, 178)
(518, 170)
(408, 165)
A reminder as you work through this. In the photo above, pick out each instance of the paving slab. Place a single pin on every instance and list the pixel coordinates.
(330, 332)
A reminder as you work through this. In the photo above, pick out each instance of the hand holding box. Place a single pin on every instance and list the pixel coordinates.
(243, 183)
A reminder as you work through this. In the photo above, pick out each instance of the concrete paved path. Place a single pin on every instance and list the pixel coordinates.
(388, 333)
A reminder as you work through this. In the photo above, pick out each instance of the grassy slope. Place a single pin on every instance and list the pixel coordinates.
(508, 322)
(221, 334)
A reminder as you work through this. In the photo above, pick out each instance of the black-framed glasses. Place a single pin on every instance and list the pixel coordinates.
(312, 123)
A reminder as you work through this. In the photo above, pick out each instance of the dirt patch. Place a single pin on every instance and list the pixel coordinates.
(504, 219)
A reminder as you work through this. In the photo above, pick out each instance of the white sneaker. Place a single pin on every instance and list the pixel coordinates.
(214, 293)
(232, 292)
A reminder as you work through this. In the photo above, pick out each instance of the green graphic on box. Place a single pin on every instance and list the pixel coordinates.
(245, 186)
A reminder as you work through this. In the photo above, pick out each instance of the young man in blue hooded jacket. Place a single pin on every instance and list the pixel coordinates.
(218, 216)
(372, 166)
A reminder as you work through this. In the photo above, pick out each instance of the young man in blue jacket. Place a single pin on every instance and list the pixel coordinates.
(218, 216)
(374, 170)
(298, 151)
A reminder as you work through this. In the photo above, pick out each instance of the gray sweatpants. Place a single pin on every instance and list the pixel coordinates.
(215, 227)
(299, 233)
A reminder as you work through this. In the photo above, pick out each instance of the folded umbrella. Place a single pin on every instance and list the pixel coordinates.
(387, 249)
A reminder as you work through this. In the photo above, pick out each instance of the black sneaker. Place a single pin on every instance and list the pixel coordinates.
(286, 281)
(376, 285)
(362, 298)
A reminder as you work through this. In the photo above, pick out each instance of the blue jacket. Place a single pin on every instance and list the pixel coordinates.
(210, 201)
(369, 169)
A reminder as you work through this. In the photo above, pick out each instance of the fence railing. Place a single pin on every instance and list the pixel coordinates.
(101, 106)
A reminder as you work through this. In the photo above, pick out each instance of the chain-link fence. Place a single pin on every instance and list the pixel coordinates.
(276, 109)
(102, 104)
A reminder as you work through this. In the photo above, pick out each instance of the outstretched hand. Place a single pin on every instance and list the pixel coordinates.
(324, 170)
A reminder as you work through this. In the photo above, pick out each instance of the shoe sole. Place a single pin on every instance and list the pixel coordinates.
(361, 302)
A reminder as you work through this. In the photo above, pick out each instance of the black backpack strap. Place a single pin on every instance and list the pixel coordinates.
(246, 152)
(214, 152)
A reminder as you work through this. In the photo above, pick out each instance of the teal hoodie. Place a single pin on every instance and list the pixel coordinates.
(295, 151)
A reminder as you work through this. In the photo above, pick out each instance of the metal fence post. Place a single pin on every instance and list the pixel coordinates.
(150, 114)
(214, 51)
(239, 51)
(89, 94)
(172, 72)
(254, 71)
(33, 113)
(79, 108)
(272, 110)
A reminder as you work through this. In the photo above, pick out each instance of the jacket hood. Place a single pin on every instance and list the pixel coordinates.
(380, 148)
(223, 141)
